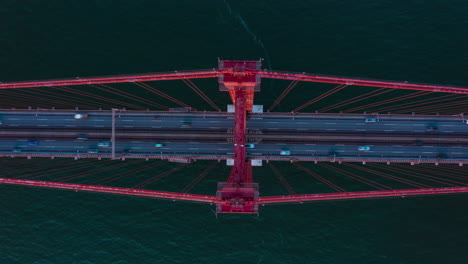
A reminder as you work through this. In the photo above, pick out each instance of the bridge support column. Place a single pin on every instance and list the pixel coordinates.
(239, 193)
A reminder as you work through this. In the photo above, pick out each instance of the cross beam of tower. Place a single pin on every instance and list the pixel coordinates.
(241, 84)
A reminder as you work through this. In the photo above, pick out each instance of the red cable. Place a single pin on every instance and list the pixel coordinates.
(395, 178)
(154, 90)
(320, 178)
(159, 176)
(129, 96)
(82, 174)
(356, 99)
(196, 180)
(356, 177)
(417, 103)
(416, 175)
(67, 89)
(318, 98)
(197, 90)
(400, 98)
(123, 174)
(283, 94)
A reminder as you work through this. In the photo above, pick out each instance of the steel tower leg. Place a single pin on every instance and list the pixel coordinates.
(239, 194)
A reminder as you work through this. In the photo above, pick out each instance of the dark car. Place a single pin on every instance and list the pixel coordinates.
(32, 143)
(82, 137)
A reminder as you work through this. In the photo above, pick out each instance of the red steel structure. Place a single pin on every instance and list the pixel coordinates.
(241, 79)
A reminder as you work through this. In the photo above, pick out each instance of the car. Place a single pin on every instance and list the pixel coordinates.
(80, 116)
(370, 120)
(250, 145)
(93, 150)
(364, 148)
(1, 122)
(285, 152)
(82, 137)
(103, 144)
(186, 124)
(17, 150)
(32, 143)
(159, 145)
(431, 128)
(466, 122)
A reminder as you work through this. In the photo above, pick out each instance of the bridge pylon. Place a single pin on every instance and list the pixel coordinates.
(240, 80)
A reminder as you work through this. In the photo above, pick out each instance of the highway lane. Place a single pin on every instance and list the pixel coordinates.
(158, 120)
(221, 135)
(88, 146)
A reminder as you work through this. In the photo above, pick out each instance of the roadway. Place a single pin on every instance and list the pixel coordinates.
(209, 133)
(163, 120)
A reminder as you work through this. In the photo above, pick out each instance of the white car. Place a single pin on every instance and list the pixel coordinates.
(285, 152)
(363, 148)
(80, 116)
(104, 144)
(250, 145)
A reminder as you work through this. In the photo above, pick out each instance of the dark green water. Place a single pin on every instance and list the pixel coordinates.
(403, 40)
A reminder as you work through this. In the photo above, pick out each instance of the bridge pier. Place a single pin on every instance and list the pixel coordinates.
(239, 194)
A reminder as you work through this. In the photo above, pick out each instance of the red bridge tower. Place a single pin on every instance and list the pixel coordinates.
(240, 79)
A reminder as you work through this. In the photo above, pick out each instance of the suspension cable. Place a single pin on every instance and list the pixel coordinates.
(356, 99)
(83, 93)
(320, 178)
(159, 176)
(357, 177)
(400, 98)
(86, 173)
(417, 103)
(450, 174)
(154, 90)
(115, 91)
(197, 90)
(318, 98)
(123, 174)
(281, 179)
(385, 175)
(283, 94)
(420, 176)
(67, 168)
(196, 180)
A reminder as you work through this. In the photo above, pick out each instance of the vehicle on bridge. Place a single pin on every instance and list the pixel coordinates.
(103, 144)
(431, 128)
(32, 143)
(250, 145)
(16, 150)
(370, 120)
(285, 152)
(80, 116)
(364, 148)
(93, 150)
(82, 137)
(187, 124)
(159, 145)
(1, 122)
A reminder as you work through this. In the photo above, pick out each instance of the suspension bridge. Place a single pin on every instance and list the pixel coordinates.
(399, 139)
